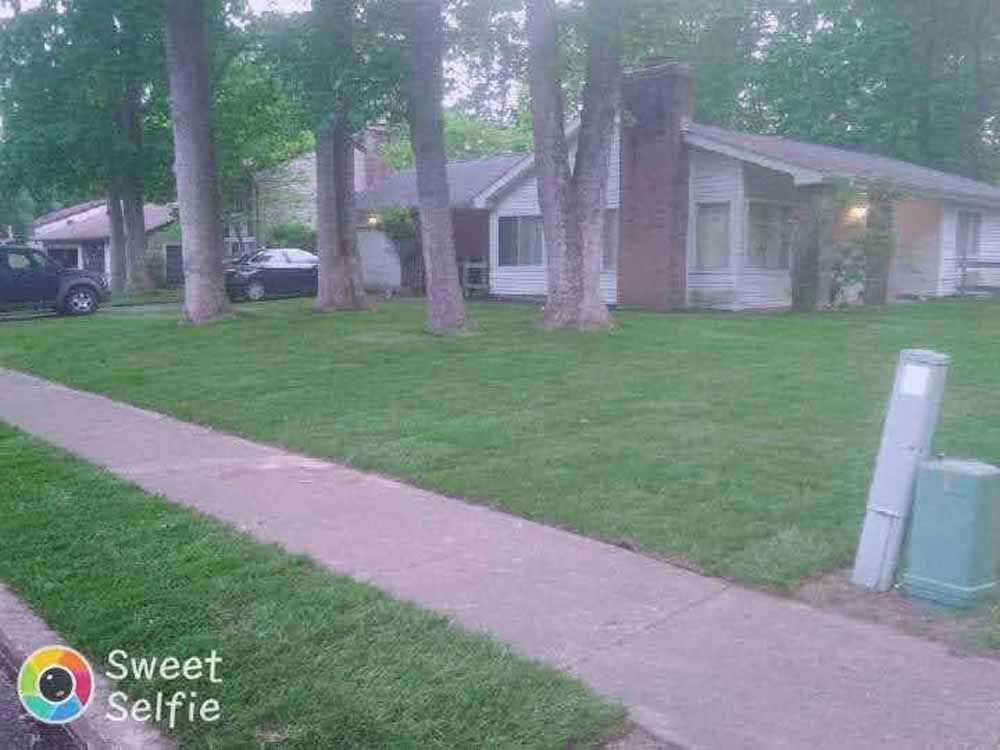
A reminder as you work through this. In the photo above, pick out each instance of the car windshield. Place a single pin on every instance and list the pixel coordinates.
(252, 258)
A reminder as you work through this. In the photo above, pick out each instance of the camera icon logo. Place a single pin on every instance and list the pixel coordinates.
(55, 684)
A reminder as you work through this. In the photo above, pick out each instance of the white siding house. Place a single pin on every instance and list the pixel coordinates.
(526, 276)
(743, 190)
(983, 243)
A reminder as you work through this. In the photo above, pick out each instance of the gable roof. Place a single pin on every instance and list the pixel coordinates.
(62, 213)
(808, 163)
(89, 221)
(828, 163)
(466, 180)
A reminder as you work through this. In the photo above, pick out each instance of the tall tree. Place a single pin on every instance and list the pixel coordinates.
(137, 276)
(116, 241)
(573, 196)
(189, 70)
(424, 30)
(340, 283)
(864, 74)
(79, 76)
(343, 68)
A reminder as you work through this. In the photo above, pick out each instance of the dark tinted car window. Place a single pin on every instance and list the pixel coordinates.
(19, 260)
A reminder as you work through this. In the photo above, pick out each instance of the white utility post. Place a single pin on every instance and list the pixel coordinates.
(906, 442)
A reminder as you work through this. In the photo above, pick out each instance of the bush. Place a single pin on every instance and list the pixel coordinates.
(398, 225)
(291, 234)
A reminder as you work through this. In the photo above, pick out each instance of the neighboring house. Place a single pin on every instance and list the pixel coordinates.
(701, 216)
(287, 193)
(79, 236)
(381, 262)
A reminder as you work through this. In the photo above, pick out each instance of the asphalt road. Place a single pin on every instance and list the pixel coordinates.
(18, 731)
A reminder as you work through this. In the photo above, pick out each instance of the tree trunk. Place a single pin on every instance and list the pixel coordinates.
(137, 276)
(561, 227)
(117, 241)
(341, 285)
(590, 171)
(573, 199)
(807, 241)
(189, 69)
(425, 92)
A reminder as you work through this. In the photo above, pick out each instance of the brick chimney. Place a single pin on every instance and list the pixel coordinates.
(376, 170)
(652, 258)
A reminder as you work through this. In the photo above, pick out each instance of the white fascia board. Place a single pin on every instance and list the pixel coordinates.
(801, 175)
(488, 197)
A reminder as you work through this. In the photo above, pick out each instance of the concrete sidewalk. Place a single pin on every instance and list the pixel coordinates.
(697, 661)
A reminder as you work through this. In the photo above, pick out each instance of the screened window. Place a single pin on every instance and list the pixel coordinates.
(769, 239)
(968, 233)
(712, 236)
(521, 241)
(610, 260)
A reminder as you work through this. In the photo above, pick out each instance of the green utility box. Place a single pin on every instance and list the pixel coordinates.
(953, 549)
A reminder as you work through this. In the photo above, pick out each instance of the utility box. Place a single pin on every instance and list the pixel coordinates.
(953, 550)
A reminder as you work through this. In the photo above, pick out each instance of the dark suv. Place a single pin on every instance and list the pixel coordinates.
(30, 278)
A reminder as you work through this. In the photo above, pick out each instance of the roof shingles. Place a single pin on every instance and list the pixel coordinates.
(90, 222)
(845, 164)
(466, 180)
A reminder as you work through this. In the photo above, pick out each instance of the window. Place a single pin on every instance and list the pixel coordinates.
(521, 241)
(18, 261)
(769, 239)
(67, 257)
(967, 234)
(610, 260)
(237, 248)
(711, 236)
(301, 258)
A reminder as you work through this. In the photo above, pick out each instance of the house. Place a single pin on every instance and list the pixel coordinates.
(79, 237)
(701, 216)
(382, 264)
(287, 193)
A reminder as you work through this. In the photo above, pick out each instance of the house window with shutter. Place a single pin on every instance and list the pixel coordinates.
(711, 251)
(522, 242)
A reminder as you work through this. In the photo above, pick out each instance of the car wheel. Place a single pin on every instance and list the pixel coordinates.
(256, 291)
(80, 300)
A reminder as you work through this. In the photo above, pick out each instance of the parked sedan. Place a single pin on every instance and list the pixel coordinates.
(278, 272)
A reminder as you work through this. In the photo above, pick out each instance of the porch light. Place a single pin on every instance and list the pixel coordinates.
(373, 220)
(857, 214)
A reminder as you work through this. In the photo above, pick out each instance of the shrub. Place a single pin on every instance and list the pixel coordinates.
(291, 234)
(398, 225)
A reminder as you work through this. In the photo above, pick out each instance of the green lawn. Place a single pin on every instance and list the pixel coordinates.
(742, 442)
(157, 296)
(309, 660)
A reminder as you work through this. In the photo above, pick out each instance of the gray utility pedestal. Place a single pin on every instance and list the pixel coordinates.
(906, 443)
